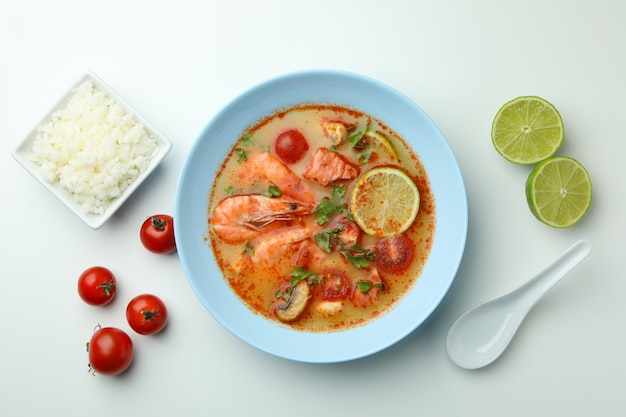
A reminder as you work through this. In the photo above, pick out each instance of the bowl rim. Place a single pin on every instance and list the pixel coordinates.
(22, 153)
(255, 330)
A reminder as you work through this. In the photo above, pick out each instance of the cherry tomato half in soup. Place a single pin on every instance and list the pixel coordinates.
(336, 286)
(394, 254)
(290, 146)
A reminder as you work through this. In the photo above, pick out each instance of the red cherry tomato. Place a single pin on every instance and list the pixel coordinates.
(290, 146)
(97, 286)
(336, 286)
(110, 351)
(146, 314)
(394, 254)
(157, 234)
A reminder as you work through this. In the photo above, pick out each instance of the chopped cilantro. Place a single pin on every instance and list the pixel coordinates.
(364, 157)
(329, 205)
(284, 294)
(358, 256)
(339, 190)
(273, 191)
(248, 249)
(299, 274)
(355, 138)
(242, 154)
(328, 238)
(247, 139)
(324, 210)
(365, 285)
(361, 146)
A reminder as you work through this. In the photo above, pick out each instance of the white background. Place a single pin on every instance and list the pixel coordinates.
(179, 62)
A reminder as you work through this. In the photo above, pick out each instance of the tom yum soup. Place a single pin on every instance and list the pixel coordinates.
(321, 217)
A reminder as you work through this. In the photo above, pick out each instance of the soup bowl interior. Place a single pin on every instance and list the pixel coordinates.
(332, 88)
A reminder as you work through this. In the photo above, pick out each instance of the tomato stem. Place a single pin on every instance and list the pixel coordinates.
(107, 287)
(158, 223)
(150, 315)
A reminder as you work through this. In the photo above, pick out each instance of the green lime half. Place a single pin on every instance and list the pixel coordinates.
(527, 130)
(558, 191)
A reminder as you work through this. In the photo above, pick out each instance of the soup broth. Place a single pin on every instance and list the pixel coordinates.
(281, 231)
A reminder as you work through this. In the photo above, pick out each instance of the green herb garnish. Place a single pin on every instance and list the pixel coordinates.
(284, 294)
(273, 191)
(365, 285)
(358, 256)
(330, 205)
(242, 154)
(299, 274)
(248, 249)
(327, 239)
(247, 139)
(355, 138)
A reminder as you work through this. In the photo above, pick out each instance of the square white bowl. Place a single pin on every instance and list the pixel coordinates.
(23, 154)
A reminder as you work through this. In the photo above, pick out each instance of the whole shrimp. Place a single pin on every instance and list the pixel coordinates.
(240, 218)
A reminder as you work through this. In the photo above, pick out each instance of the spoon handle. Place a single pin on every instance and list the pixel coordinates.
(549, 277)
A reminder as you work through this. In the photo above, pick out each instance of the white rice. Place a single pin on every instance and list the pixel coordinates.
(93, 148)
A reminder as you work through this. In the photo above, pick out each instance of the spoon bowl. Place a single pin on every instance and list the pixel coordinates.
(481, 334)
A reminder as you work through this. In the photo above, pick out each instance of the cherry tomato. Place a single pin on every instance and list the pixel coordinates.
(394, 254)
(336, 286)
(97, 286)
(146, 314)
(290, 146)
(157, 234)
(110, 351)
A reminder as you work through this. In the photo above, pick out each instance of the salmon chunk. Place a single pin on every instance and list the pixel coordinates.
(326, 166)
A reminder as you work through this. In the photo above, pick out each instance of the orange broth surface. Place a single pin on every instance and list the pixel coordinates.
(263, 280)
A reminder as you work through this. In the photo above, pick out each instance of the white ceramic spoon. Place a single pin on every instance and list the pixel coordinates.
(482, 333)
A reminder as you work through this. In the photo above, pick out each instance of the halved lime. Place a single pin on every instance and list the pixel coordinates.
(527, 130)
(384, 201)
(558, 191)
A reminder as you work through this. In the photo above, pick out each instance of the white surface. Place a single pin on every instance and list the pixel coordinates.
(178, 63)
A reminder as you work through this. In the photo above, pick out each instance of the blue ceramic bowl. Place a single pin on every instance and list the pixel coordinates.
(323, 87)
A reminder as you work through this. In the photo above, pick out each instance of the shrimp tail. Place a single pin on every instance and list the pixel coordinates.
(270, 167)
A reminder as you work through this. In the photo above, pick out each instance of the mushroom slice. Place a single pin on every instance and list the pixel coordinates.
(295, 305)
